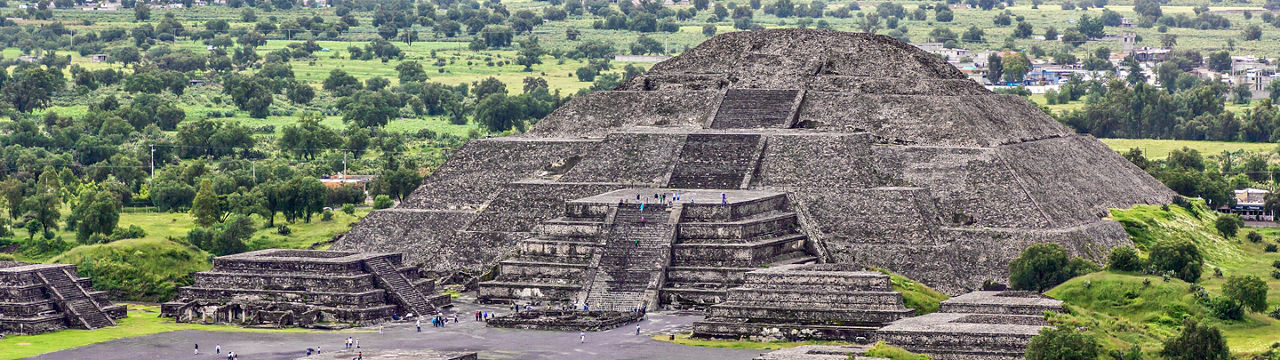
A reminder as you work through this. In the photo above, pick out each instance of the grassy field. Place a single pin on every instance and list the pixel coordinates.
(1160, 149)
(1147, 224)
(917, 296)
(142, 320)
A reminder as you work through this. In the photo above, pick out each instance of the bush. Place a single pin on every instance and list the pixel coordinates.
(1178, 256)
(1124, 258)
(1228, 224)
(1045, 265)
(349, 209)
(6, 257)
(1275, 264)
(1275, 313)
(1226, 309)
(1250, 291)
(1196, 342)
(1270, 248)
(132, 232)
(284, 230)
(327, 215)
(1254, 236)
(382, 202)
(1062, 343)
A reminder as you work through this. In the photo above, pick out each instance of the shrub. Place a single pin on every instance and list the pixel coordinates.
(1270, 248)
(283, 230)
(132, 232)
(1062, 343)
(327, 215)
(1228, 224)
(1275, 274)
(349, 209)
(1275, 264)
(6, 257)
(1254, 236)
(1196, 342)
(1045, 265)
(1275, 313)
(1178, 256)
(1124, 258)
(1250, 291)
(1226, 308)
(382, 202)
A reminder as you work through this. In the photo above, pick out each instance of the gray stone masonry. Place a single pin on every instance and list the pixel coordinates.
(566, 320)
(820, 352)
(38, 298)
(392, 355)
(983, 325)
(305, 288)
(805, 302)
(873, 152)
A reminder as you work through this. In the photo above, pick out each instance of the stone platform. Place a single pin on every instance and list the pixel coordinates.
(394, 355)
(626, 248)
(983, 325)
(566, 320)
(38, 298)
(820, 352)
(305, 288)
(806, 302)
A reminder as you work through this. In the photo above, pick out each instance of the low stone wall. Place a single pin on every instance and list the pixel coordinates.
(566, 320)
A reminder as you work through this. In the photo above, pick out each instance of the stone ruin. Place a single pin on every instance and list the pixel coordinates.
(38, 298)
(566, 320)
(832, 147)
(394, 355)
(820, 352)
(305, 288)
(982, 325)
(806, 302)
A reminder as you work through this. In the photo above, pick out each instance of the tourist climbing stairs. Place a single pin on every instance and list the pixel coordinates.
(634, 259)
(403, 291)
(76, 302)
(756, 108)
(715, 161)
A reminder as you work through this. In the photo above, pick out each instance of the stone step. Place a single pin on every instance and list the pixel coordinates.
(755, 108)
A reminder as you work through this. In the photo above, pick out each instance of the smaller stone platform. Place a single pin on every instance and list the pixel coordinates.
(566, 320)
(39, 298)
(806, 302)
(983, 325)
(305, 288)
(820, 352)
(394, 355)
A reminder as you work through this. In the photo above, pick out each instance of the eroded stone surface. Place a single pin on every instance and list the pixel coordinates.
(38, 298)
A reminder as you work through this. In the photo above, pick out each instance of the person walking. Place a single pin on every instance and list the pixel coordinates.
(419, 324)
(347, 345)
(217, 348)
(379, 328)
(582, 337)
(357, 343)
(637, 329)
(197, 349)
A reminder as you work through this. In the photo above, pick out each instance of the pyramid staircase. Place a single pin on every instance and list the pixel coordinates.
(715, 161)
(400, 288)
(634, 259)
(555, 265)
(757, 108)
(78, 304)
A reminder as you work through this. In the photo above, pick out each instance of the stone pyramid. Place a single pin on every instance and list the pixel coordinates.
(790, 146)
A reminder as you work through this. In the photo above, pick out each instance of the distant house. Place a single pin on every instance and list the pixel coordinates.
(29, 58)
(1053, 75)
(1151, 54)
(336, 181)
(195, 82)
(98, 57)
(1250, 205)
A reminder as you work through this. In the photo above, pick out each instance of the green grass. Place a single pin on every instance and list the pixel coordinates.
(882, 350)
(142, 320)
(138, 269)
(1155, 313)
(914, 294)
(1160, 149)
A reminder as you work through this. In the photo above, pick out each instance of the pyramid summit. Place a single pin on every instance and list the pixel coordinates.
(783, 146)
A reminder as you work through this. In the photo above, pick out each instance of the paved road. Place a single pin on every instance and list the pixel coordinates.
(468, 335)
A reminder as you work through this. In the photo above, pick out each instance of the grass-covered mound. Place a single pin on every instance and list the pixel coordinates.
(138, 269)
(915, 295)
(882, 350)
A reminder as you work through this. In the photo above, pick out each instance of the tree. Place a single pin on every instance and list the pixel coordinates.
(1124, 258)
(1045, 265)
(301, 93)
(1196, 342)
(96, 212)
(339, 83)
(224, 238)
(1252, 32)
(1249, 291)
(1228, 225)
(974, 34)
(43, 207)
(490, 85)
(31, 88)
(1051, 33)
(410, 71)
(1179, 256)
(370, 108)
(1023, 30)
(1016, 67)
(205, 208)
(995, 67)
(382, 202)
(498, 113)
(1219, 61)
(530, 53)
(308, 137)
(250, 93)
(1062, 343)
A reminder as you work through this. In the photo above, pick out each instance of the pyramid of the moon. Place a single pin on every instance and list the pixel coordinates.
(786, 146)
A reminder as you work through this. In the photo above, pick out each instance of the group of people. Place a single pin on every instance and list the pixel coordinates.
(217, 349)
